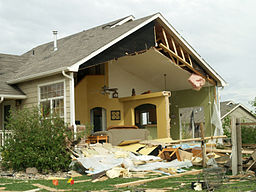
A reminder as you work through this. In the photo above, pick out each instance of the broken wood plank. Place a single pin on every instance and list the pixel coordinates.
(133, 183)
(49, 188)
(227, 151)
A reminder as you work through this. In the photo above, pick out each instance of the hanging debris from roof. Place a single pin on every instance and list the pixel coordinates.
(196, 81)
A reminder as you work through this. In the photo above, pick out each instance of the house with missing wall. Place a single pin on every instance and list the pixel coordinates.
(125, 72)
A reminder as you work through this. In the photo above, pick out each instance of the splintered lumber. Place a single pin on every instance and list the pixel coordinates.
(140, 182)
(49, 188)
(198, 139)
(227, 151)
(185, 63)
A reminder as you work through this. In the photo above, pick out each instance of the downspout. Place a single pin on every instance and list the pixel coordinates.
(72, 100)
(1, 99)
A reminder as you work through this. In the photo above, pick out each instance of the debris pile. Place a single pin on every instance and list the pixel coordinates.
(99, 160)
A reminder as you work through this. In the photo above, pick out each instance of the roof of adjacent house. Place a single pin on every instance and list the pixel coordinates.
(76, 49)
(228, 107)
(10, 65)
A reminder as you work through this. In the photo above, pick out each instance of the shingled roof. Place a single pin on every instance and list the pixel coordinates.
(73, 48)
(9, 66)
(76, 49)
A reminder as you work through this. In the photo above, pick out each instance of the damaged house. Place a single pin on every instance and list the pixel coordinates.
(127, 72)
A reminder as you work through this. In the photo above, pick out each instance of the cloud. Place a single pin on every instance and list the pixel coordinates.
(222, 32)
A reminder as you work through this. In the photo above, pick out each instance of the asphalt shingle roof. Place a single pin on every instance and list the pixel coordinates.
(9, 66)
(224, 108)
(73, 48)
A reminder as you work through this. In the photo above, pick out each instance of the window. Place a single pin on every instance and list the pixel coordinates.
(51, 99)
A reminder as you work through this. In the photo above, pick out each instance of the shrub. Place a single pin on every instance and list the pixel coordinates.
(36, 142)
(248, 135)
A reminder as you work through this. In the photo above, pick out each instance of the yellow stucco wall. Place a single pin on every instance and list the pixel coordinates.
(88, 96)
(162, 111)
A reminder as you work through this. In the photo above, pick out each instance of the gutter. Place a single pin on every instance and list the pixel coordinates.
(13, 96)
(72, 99)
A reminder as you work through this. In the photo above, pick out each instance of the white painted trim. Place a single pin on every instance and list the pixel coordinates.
(64, 96)
(131, 17)
(37, 75)
(75, 66)
(13, 96)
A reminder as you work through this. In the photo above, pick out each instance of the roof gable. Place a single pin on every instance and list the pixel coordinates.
(79, 48)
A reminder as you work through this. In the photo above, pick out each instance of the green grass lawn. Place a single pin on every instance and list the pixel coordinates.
(172, 184)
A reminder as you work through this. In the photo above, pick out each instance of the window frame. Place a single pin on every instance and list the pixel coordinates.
(53, 98)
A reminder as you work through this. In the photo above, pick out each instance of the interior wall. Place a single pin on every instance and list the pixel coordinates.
(126, 81)
(191, 98)
(161, 113)
(88, 96)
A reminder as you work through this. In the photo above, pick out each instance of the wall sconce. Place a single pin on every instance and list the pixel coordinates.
(115, 94)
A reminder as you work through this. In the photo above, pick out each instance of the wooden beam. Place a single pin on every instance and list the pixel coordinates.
(227, 151)
(203, 145)
(239, 146)
(183, 57)
(190, 61)
(247, 123)
(165, 38)
(234, 146)
(174, 47)
(186, 63)
(140, 182)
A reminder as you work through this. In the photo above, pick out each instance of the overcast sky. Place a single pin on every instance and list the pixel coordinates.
(222, 31)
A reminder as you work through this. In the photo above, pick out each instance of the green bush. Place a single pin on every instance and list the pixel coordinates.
(248, 135)
(36, 142)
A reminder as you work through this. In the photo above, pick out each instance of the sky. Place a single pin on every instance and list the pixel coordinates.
(223, 32)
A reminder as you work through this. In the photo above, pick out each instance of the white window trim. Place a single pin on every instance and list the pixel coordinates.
(64, 96)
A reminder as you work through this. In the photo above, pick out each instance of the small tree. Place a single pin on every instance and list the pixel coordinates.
(36, 142)
(226, 126)
(253, 103)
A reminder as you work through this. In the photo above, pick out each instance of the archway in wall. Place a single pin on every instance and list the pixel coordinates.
(146, 118)
(98, 119)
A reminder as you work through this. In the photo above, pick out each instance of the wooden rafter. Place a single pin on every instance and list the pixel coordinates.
(183, 57)
(190, 61)
(174, 47)
(184, 62)
(165, 38)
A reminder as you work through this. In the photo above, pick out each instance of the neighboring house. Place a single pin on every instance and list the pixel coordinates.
(89, 77)
(237, 110)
